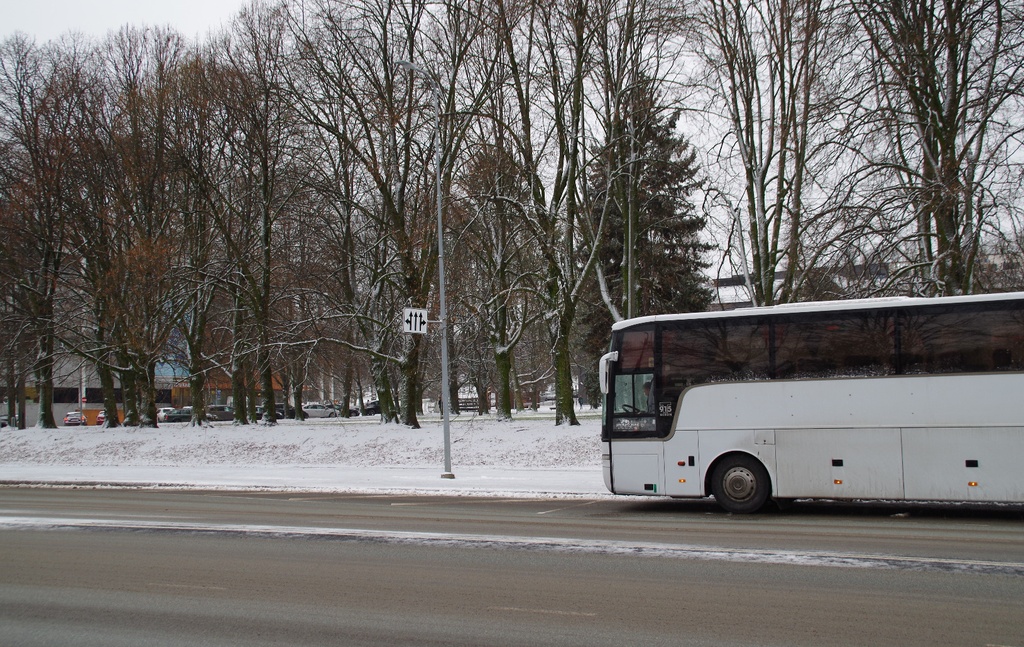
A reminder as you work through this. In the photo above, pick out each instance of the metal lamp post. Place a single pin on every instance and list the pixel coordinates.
(445, 391)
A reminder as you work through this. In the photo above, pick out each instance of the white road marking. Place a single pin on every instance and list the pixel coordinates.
(547, 612)
(191, 587)
(568, 507)
(451, 502)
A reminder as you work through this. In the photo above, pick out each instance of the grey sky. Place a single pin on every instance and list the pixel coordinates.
(49, 19)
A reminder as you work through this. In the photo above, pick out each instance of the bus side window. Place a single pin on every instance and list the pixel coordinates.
(961, 340)
(824, 345)
(713, 351)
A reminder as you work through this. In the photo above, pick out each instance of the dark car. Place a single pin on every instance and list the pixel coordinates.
(220, 412)
(179, 415)
(373, 408)
(279, 409)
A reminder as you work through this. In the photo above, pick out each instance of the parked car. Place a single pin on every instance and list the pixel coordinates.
(179, 415)
(319, 411)
(279, 408)
(161, 413)
(101, 417)
(74, 419)
(373, 408)
(220, 412)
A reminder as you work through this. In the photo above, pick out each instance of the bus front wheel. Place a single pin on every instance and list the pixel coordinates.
(740, 484)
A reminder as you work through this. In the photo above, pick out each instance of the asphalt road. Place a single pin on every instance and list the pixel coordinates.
(116, 567)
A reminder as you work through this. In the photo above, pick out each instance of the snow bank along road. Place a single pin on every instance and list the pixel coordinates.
(528, 456)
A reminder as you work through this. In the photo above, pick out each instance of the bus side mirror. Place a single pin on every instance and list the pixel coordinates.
(602, 369)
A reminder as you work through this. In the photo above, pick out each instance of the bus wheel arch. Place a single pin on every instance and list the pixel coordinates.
(739, 482)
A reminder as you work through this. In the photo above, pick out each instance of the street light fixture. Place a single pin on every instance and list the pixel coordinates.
(445, 391)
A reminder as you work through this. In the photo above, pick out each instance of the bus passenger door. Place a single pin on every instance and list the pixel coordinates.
(682, 465)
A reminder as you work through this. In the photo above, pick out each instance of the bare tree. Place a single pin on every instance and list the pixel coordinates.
(201, 149)
(267, 180)
(145, 285)
(545, 59)
(639, 49)
(775, 68)
(946, 132)
(345, 86)
(385, 129)
(39, 93)
(495, 249)
(91, 238)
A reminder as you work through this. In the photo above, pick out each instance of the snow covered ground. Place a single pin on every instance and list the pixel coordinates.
(527, 456)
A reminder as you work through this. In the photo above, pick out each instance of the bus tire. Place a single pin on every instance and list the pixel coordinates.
(740, 484)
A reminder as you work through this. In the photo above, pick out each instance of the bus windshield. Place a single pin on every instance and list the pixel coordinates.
(633, 404)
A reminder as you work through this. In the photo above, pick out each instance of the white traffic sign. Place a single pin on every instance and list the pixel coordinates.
(414, 321)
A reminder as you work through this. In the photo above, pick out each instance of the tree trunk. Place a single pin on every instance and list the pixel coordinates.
(197, 388)
(503, 363)
(565, 411)
(240, 400)
(346, 386)
(411, 383)
(251, 380)
(44, 381)
(22, 402)
(106, 376)
(297, 388)
(267, 381)
(482, 398)
(239, 396)
(385, 395)
(149, 396)
(129, 395)
(12, 392)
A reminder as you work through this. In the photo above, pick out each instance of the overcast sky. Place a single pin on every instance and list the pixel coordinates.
(48, 19)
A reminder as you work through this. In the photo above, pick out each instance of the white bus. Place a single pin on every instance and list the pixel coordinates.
(916, 399)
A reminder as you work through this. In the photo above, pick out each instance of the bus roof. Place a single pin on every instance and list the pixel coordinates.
(821, 306)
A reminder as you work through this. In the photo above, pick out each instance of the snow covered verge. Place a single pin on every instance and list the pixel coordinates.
(528, 455)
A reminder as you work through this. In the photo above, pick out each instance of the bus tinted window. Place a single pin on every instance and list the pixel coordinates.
(848, 344)
(706, 351)
(637, 351)
(962, 340)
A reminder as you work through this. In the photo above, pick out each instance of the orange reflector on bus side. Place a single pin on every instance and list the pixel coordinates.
(972, 483)
(682, 480)
(838, 482)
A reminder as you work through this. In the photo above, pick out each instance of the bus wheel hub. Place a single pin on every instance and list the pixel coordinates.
(740, 483)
